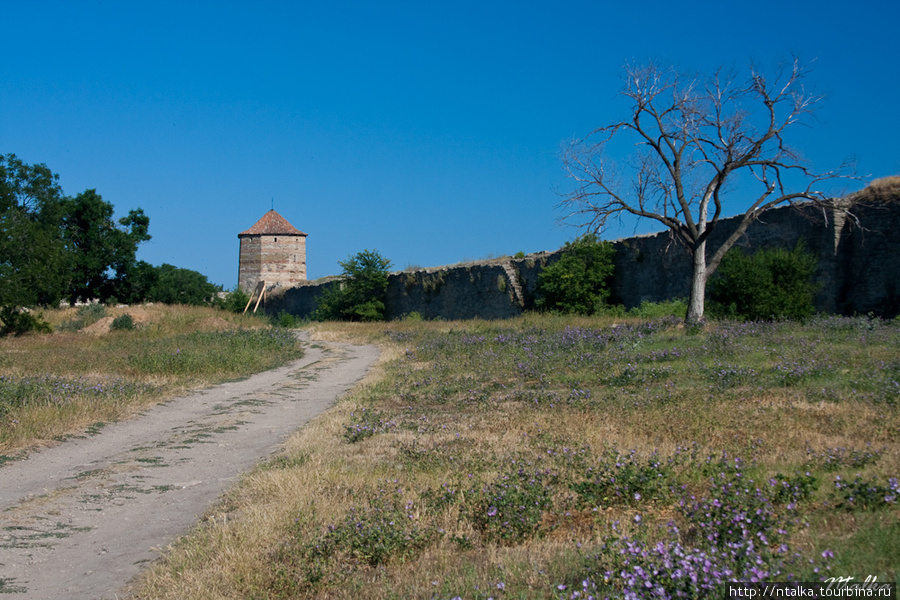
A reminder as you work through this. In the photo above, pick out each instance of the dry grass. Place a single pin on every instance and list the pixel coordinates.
(885, 189)
(61, 383)
(460, 424)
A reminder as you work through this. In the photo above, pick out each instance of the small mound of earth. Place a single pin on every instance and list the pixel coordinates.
(101, 326)
(217, 323)
(139, 316)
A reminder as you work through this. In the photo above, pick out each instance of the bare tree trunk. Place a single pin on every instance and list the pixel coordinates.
(696, 135)
(698, 286)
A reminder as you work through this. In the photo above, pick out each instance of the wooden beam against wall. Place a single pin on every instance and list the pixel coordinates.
(261, 290)
(262, 294)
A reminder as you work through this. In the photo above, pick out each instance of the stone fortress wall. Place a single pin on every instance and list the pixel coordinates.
(859, 268)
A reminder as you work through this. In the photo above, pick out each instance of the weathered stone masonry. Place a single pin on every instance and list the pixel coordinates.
(859, 269)
(273, 251)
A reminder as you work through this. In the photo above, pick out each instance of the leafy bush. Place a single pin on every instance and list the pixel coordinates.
(362, 293)
(771, 284)
(85, 316)
(236, 300)
(91, 313)
(623, 480)
(287, 320)
(860, 494)
(578, 281)
(510, 509)
(676, 307)
(19, 322)
(832, 459)
(122, 323)
(733, 533)
(793, 489)
(382, 528)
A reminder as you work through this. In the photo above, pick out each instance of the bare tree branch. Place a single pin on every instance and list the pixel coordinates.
(694, 136)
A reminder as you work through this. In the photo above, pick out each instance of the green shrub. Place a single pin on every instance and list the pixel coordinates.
(773, 283)
(509, 510)
(623, 480)
(379, 529)
(578, 281)
(90, 314)
(613, 310)
(366, 424)
(860, 494)
(329, 304)
(362, 293)
(236, 300)
(287, 320)
(17, 321)
(122, 323)
(85, 316)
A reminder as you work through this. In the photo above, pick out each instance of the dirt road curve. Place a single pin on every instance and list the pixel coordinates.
(78, 520)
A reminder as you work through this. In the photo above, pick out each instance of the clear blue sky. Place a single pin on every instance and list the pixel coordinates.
(430, 131)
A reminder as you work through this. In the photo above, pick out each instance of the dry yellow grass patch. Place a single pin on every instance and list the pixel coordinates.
(478, 423)
(113, 360)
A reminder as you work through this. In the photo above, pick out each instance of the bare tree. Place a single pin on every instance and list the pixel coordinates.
(694, 137)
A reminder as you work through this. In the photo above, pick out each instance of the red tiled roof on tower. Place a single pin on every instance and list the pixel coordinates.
(272, 224)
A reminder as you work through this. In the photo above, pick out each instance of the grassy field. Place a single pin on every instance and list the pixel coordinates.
(84, 375)
(572, 458)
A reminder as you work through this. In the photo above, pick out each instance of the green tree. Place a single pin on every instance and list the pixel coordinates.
(101, 251)
(134, 230)
(133, 286)
(53, 246)
(174, 285)
(33, 262)
(773, 283)
(362, 293)
(692, 138)
(578, 281)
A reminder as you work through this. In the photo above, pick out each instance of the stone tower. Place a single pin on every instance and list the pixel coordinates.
(273, 251)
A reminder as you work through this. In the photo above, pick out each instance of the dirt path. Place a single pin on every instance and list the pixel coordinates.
(79, 520)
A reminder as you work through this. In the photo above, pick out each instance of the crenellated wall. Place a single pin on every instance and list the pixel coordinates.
(859, 269)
